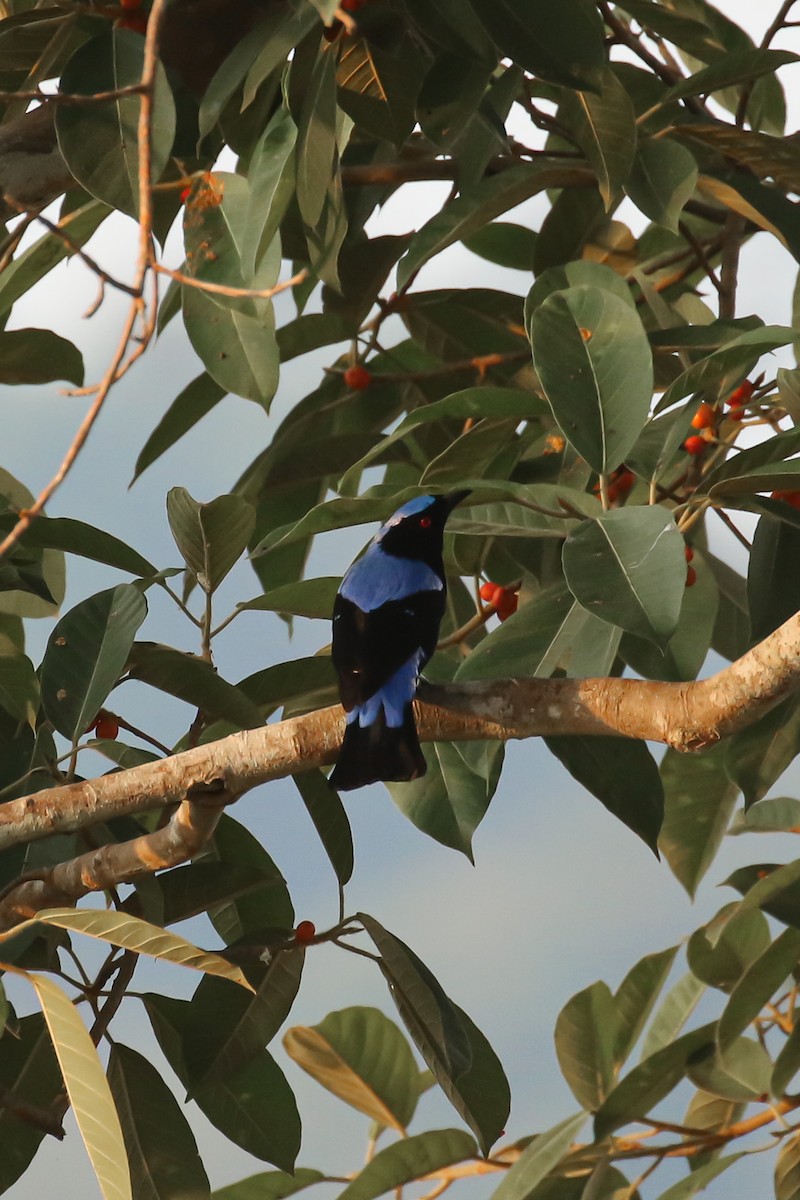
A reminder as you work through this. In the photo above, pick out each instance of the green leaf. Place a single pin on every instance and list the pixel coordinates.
(272, 176)
(469, 212)
(151, 1121)
(216, 1047)
(773, 581)
(699, 1179)
(316, 135)
(673, 1013)
(28, 1068)
(330, 821)
(759, 982)
(238, 1104)
(19, 688)
(194, 681)
(87, 1089)
(211, 537)
(465, 1066)
(758, 756)
(648, 1083)
(269, 1185)
(409, 1160)
(450, 800)
(721, 951)
(99, 142)
(38, 356)
(787, 1063)
(636, 996)
(141, 937)
(662, 179)
(622, 774)
(628, 567)
(604, 126)
(594, 362)
(78, 537)
(587, 1031)
(362, 1057)
(720, 372)
(267, 906)
(238, 350)
(86, 655)
(734, 67)
(776, 815)
(563, 45)
(698, 804)
(529, 642)
(545, 1151)
(305, 598)
(189, 406)
(741, 1074)
(504, 243)
(787, 1169)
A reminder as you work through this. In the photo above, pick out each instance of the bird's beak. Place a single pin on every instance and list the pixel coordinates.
(454, 498)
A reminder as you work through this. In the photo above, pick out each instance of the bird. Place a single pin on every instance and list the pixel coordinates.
(386, 619)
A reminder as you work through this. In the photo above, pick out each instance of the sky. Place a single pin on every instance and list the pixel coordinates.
(560, 893)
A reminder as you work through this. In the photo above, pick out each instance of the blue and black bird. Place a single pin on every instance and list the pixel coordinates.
(385, 626)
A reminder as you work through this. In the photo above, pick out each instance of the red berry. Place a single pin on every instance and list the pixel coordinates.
(741, 394)
(130, 5)
(351, 6)
(107, 726)
(305, 933)
(357, 378)
(689, 552)
(185, 194)
(705, 417)
(691, 577)
(792, 498)
(624, 481)
(487, 591)
(510, 607)
(737, 414)
(695, 445)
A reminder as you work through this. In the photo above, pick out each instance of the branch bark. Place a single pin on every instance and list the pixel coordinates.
(201, 781)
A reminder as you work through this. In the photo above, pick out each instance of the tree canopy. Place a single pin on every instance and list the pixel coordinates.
(614, 408)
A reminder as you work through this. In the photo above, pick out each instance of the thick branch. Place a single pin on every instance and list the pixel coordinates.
(687, 716)
(184, 836)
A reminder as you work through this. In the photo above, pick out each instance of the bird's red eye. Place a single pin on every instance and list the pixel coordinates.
(425, 522)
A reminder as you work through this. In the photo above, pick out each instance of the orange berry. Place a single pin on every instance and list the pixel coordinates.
(107, 726)
(185, 194)
(737, 414)
(509, 607)
(689, 553)
(695, 445)
(487, 590)
(305, 933)
(358, 378)
(705, 417)
(691, 577)
(624, 481)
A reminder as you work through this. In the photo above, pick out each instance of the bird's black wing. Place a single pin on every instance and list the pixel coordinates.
(368, 647)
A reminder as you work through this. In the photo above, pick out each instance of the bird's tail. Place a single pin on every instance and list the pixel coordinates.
(376, 752)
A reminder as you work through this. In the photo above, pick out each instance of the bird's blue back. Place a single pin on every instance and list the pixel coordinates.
(377, 578)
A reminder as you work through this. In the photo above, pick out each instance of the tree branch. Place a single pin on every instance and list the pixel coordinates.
(686, 716)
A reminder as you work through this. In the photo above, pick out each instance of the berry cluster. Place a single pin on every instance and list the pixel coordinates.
(708, 417)
(620, 483)
(503, 600)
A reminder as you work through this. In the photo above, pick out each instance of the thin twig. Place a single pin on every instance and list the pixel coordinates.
(222, 289)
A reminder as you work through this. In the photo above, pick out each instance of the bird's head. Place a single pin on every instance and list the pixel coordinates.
(417, 528)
